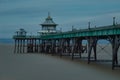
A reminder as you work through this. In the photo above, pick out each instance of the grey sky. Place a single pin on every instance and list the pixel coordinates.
(28, 14)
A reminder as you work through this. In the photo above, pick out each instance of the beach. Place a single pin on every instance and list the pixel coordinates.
(37, 66)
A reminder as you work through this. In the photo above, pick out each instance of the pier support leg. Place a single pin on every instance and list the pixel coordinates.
(89, 50)
(24, 46)
(15, 46)
(94, 48)
(80, 47)
(92, 42)
(53, 47)
(76, 47)
(115, 41)
(61, 47)
(39, 47)
(18, 46)
(73, 48)
(67, 47)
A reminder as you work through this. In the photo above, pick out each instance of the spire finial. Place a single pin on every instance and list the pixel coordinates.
(114, 21)
(88, 25)
(72, 27)
(48, 14)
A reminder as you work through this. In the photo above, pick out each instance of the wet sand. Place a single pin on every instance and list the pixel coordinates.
(47, 67)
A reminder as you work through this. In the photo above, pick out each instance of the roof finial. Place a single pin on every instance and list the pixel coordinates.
(72, 27)
(48, 14)
(88, 25)
(113, 21)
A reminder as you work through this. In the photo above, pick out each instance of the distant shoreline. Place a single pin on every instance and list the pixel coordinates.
(11, 41)
(6, 41)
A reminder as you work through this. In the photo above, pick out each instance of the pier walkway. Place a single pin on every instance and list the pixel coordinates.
(71, 42)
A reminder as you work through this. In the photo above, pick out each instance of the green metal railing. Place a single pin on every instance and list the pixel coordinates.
(100, 31)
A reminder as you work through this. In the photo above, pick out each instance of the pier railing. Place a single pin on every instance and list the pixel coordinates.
(25, 37)
(100, 31)
(71, 42)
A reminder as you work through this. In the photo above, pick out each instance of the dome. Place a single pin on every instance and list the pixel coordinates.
(48, 21)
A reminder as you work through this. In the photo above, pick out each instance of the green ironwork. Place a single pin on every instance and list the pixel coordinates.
(99, 31)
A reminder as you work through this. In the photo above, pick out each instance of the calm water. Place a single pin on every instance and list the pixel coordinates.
(11, 41)
(47, 67)
(7, 41)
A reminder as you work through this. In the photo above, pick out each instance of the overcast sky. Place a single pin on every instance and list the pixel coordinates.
(28, 14)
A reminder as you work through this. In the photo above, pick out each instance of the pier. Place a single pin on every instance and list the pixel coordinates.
(69, 43)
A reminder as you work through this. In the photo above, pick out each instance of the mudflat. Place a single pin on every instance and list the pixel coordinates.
(14, 66)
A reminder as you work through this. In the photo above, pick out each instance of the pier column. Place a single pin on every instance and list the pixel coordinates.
(43, 46)
(92, 42)
(23, 45)
(73, 47)
(76, 47)
(61, 47)
(53, 46)
(15, 46)
(35, 45)
(32, 45)
(57, 46)
(115, 41)
(68, 47)
(39, 46)
(48, 45)
(80, 47)
(18, 46)
(27, 44)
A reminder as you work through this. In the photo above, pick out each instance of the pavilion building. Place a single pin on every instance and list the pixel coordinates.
(48, 26)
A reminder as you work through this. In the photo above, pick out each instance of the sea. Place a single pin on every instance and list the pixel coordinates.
(6, 41)
(11, 41)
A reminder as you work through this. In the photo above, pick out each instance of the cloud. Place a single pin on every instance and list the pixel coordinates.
(28, 14)
(97, 20)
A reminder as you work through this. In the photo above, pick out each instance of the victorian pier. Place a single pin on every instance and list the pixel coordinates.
(69, 43)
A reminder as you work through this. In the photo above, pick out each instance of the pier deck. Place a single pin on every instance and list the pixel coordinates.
(71, 42)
